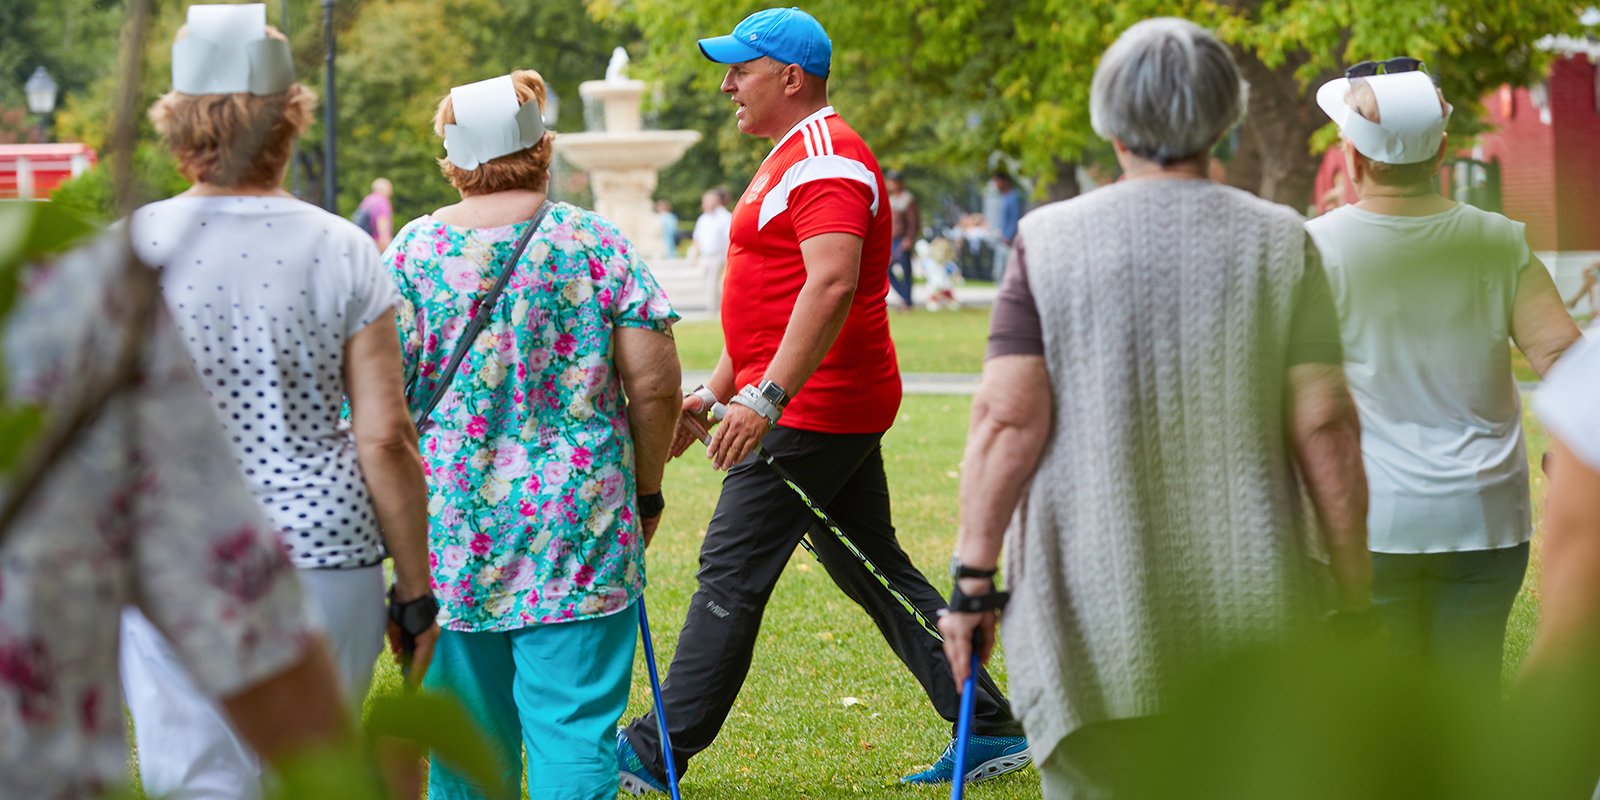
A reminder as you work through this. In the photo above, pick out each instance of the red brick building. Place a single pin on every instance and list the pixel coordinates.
(34, 170)
(1539, 163)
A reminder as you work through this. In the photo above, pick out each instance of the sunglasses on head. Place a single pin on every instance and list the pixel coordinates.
(1390, 66)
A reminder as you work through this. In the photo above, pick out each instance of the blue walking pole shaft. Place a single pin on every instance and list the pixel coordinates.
(661, 707)
(969, 692)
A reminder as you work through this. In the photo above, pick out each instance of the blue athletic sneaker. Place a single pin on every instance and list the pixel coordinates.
(632, 776)
(987, 757)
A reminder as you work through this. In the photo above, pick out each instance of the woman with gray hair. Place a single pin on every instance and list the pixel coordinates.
(1163, 359)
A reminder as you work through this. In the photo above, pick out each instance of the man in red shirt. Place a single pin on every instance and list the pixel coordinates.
(808, 372)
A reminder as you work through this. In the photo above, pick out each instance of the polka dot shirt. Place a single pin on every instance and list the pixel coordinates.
(267, 291)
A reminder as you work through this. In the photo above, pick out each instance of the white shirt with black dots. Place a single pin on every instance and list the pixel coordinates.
(267, 291)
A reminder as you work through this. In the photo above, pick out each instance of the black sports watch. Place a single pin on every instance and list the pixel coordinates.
(651, 505)
(414, 617)
(774, 393)
(959, 570)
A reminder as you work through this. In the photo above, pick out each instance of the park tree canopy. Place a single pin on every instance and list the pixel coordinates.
(933, 83)
(946, 89)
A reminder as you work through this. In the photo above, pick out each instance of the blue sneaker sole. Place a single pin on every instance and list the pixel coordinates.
(635, 786)
(995, 767)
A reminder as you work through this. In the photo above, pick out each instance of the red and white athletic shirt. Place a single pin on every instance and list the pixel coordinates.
(821, 178)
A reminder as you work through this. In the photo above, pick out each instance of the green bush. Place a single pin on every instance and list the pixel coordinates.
(92, 196)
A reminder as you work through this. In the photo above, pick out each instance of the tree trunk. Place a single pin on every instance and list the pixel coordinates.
(1276, 161)
(1244, 169)
(1064, 185)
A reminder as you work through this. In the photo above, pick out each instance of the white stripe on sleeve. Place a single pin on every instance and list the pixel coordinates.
(814, 169)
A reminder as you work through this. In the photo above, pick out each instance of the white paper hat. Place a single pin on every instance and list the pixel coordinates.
(1408, 104)
(227, 51)
(490, 123)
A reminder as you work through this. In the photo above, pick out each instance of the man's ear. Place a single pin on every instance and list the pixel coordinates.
(794, 79)
(1353, 167)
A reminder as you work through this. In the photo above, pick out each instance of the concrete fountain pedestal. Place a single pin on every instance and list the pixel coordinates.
(624, 160)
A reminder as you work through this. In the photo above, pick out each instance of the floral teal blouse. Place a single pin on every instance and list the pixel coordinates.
(529, 458)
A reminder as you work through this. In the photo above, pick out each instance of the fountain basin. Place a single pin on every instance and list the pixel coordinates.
(606, 150)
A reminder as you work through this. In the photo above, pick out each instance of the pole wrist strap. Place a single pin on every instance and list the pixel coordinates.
(750, 397)
(974, 604)
(707, 397)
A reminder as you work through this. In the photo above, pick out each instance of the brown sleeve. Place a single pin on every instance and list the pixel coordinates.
(1014, 330)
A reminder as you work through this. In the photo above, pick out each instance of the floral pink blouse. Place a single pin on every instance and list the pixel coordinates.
(530, 461)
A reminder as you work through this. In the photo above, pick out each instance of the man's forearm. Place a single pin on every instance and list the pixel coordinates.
(721, 382)
(819, 315)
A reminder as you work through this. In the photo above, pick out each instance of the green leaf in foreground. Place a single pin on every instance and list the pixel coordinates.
(29, 231)
(441, 725)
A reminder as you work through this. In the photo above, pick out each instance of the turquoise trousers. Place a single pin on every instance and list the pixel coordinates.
(554, 691)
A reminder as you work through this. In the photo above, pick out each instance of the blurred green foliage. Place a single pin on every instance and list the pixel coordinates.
(1336, 720)
(29, 232)
(940, 86)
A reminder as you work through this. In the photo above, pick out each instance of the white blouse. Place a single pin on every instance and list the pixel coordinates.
(267, 291)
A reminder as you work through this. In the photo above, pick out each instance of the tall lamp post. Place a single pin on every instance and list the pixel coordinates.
(330, 188)
(41, 92)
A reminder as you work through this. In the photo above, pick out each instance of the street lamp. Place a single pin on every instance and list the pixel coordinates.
(41, 92)
(330, 175)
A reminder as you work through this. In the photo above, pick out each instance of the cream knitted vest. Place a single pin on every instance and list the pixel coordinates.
(1161, 527)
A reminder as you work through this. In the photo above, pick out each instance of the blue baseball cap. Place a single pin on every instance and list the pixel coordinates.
(788, 35)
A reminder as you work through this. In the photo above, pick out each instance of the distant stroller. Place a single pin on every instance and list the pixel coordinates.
(937, 261)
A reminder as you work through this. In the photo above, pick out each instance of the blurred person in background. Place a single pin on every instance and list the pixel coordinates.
(144, 508)
(907, 224)
(375, 214)
(287, 312)
(708, 246)
(545, 455)
(669, 228)
(1004, 213)
(1568, 404)
(1429, 291)
(1152, 466)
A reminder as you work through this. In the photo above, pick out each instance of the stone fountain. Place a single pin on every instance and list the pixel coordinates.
(623, 160)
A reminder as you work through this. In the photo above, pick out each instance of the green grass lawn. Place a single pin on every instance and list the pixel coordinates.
(790, 734)
(927, 341)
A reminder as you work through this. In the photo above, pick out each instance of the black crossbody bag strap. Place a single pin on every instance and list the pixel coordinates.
(480, 319)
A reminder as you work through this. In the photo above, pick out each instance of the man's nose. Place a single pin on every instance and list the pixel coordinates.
(727, 83)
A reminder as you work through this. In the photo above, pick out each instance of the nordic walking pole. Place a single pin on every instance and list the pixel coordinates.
(661, 707)
(717, 411)
(969, 691)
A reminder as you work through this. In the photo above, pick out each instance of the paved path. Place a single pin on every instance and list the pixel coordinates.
(685, 285)
(964, 383)
(958, 383)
